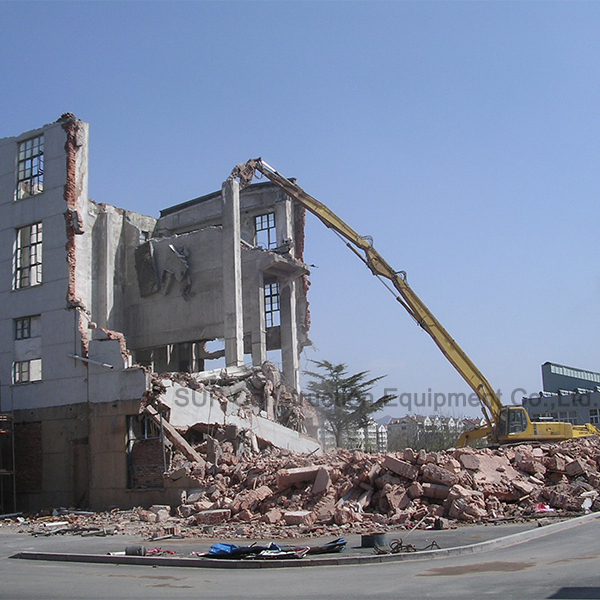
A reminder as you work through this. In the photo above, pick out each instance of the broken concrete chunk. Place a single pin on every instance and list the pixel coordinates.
(186, 510)
(322, 481)
(410, 456)
(178, 473)
(299, 517)
(452, 465)
(288, 477)
(249, 499)
(575, 467)
(147, 516)
(397, 499)
(213, 517)
(345, 515)
(528, 462)
(466, 505)
(272, 516)
(435, 490)
(415, 490)
(523, 487)
(400, 467)
(469, 461)
(436, 474)
(555, 463)
(162, 511)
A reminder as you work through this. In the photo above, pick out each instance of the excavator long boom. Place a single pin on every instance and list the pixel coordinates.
(363, 248)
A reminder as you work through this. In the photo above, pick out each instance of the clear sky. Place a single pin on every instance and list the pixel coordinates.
(464, 137)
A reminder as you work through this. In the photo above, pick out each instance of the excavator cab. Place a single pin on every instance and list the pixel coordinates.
(512, 420)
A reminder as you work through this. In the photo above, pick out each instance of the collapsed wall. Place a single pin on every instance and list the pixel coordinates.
(254, 400)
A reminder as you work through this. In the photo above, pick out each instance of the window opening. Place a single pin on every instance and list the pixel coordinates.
(27, 371)
(30, 170)
(23, 328)
(266, 232)
(28, 256)
(272, 306)
(146, 454)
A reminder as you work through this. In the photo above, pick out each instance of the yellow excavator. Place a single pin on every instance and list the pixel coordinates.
(504, 424)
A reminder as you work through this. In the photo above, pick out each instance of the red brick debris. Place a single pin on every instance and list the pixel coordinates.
(275, 493)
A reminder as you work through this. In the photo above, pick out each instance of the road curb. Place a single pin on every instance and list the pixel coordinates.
(220, 563)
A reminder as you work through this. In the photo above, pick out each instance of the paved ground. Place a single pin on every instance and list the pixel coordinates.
(557, 565)
(11, 543)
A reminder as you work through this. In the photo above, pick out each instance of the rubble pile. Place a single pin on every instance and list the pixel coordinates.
(353, 488)
(275, 493)
(263, 389)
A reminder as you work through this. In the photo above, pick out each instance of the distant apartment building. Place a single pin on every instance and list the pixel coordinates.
(371, 438)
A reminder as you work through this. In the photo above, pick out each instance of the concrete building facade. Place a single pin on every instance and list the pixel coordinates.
(95, 299)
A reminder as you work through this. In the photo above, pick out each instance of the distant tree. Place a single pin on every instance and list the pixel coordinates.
(432, 440)
(438, 436)
(344, 401)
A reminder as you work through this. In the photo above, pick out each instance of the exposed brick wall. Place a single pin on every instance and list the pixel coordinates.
(147, 466)
(28, 456)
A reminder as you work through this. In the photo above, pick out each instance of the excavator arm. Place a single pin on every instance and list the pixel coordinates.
(363, 248)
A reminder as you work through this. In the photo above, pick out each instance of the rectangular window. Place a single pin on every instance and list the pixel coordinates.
(272, 312)
(266, 233)
(28, 256)
(594, 416)
(27, 371)
(23, 328)
(30, 169)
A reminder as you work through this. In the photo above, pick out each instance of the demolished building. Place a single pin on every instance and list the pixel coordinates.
(95, 301)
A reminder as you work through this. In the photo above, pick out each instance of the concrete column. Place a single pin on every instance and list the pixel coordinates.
(233, 325)
(259, 328)
(290, 356)
(284, 220)
(102, 292)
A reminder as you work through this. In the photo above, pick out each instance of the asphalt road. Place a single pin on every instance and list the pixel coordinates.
(560, 565)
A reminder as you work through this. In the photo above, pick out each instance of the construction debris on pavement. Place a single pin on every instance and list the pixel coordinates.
(276, 494)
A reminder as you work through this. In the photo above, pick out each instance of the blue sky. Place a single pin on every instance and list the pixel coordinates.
(463, 136)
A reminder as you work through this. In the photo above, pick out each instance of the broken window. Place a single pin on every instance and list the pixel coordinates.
(30, 169)
(27, 371)
(272, 307)
(28, 256)
(266, 233)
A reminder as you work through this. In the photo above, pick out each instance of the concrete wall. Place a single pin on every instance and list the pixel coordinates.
(61, 330)
(84, 459)
(189, 407)
(190, 307)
